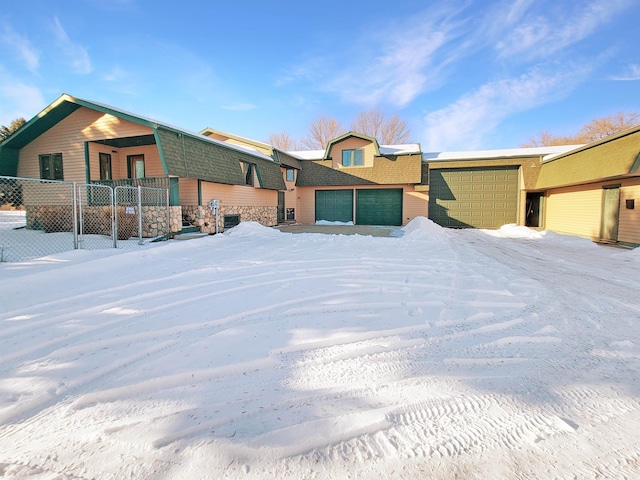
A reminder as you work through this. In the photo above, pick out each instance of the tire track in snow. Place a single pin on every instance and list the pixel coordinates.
(448, 427)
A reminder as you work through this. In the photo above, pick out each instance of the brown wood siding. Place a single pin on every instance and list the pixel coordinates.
(240, 196)
(69, 136)
(188, 191)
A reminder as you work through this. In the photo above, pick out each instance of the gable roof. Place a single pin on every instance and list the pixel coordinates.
(230, 138)
(327, 151)
(380, 150)
(183, 153)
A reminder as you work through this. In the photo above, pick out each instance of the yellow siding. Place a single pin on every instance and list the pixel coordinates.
(238, 195)
(593, 163)
(188, 191)
(574, 210)
(578, 210)
(629, 226)
(414, 204)
(69, 136)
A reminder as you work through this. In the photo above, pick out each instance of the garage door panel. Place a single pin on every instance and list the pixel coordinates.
(474, 197)
(379, 206)
(334, 205)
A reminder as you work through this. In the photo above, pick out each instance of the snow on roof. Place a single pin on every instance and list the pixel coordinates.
(384, 150)
(307, 154)
(547, 152)
(199, 136)
(400, 149)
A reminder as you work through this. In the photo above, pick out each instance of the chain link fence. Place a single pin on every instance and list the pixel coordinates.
(37, 217)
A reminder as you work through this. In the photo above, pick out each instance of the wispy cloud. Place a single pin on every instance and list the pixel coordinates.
(77, 56)
(241, 107)
(632, 72)
(464, 124)
(20, 46)
(18, 99)
(394, 67)
(533, 35)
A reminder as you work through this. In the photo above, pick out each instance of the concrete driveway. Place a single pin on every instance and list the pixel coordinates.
(368, 230)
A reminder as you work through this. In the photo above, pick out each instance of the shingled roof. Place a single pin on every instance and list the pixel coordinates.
(183, 153)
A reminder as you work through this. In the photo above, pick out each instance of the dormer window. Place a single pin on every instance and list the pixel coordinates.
(247, 169)
(351, 158)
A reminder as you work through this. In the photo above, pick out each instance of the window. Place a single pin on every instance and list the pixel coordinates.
(136, 166)
(291, 175)
(105, 166)
(247, 169)
(51, 166)
(351, 158)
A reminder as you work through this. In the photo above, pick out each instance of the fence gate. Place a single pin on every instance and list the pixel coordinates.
(141, 212)
(96, 228)
(42, 217)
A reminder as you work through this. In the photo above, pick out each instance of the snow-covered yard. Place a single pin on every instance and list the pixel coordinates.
(261, 354)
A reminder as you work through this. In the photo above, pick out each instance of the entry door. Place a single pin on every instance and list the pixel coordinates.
(136, 166)
(280, 207)
(610, 213)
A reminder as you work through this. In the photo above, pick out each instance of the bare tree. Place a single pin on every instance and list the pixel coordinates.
(388, 131)
(13, 127)
(321, 132)
(605, 127)
(595, 130)
(374, 124)
(547, 139)
(284, 141)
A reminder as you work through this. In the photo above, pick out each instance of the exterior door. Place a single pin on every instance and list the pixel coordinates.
(136, 166)
(610, 213)
(280, 207)
(534, 209)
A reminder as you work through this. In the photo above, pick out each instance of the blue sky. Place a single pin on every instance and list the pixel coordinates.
(474, 74)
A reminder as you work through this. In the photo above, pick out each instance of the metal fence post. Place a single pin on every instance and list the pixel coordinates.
(168, 214)
(74, 215)
(80, 225)
(114, 217)
(140, 242)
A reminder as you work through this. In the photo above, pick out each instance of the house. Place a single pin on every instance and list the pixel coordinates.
(353, 180)
(357, 180)
(588, 190)
(289, 167)
(591, 191)
(486, 188)
(88, 142)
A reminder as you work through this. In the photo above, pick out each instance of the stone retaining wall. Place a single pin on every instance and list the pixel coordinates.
(97, 220)
(202, 217)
